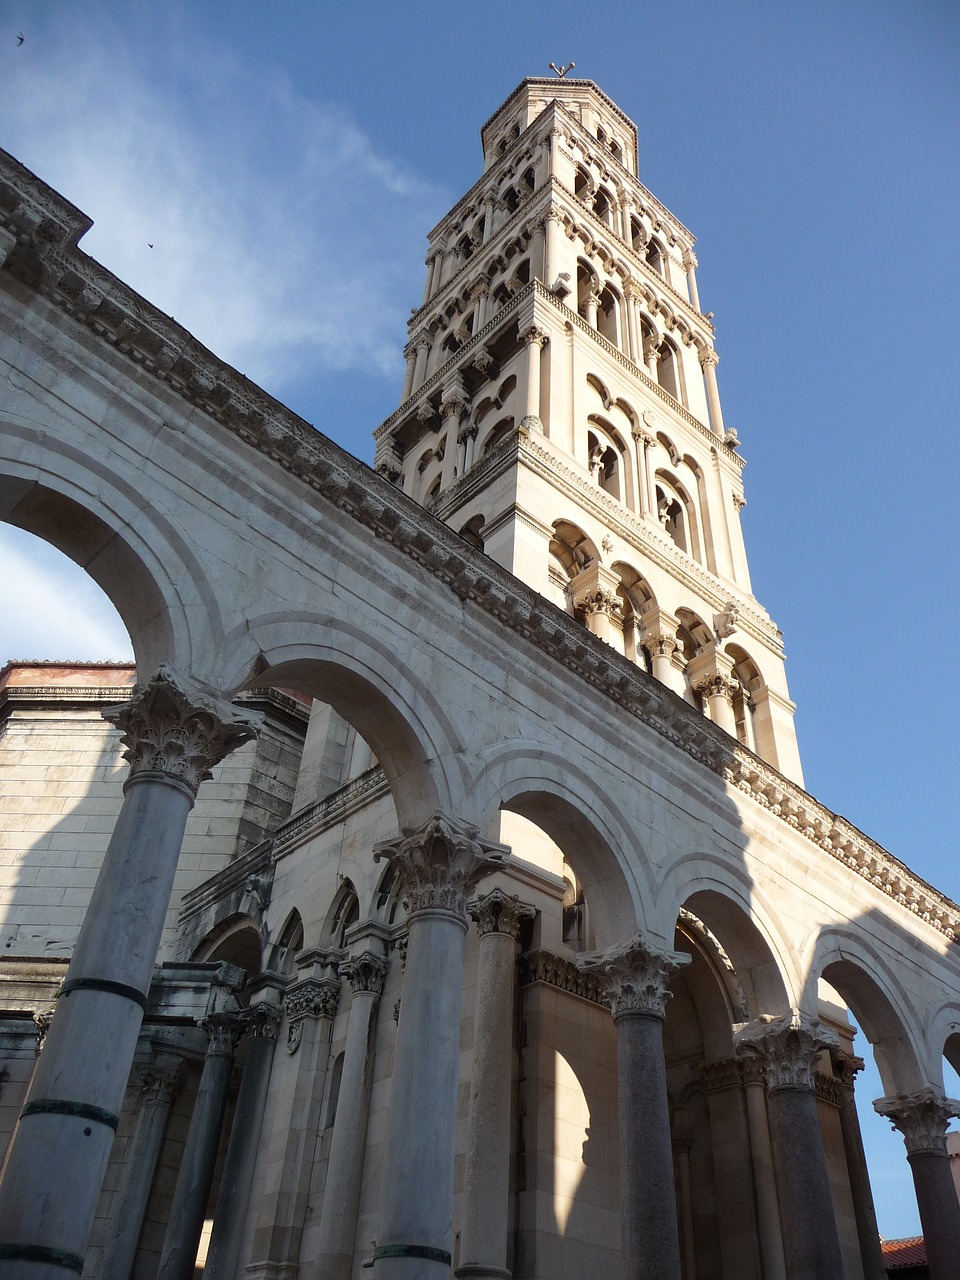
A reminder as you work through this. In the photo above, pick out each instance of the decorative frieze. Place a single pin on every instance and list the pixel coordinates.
(439, 863)
(724, 1074)
(789, 1046)
(171, 726)
(499, 912)
(557, 971)
(636, 977)
(922, 1117)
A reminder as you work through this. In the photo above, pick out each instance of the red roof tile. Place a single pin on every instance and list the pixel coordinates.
(911, 1252)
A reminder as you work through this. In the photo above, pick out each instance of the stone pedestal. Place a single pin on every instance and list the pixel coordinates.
(483, 1229)
(174, 733)
(438, 865)
(341, 1193)
(922, 1118)
(790, 1047)
(261, 1024)
(636, 978)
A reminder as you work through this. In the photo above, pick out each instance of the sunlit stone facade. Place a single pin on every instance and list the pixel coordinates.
(443, 897)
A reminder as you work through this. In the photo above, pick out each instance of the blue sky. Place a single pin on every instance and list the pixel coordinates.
(287, 159)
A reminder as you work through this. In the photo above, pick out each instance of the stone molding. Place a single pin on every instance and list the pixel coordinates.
(439, 863)
(557, 971)
(636, 977)
(47, 259)
(921, 1117)
(789, 1047)
(365, 972)
(171, 726)
(329, 811)
(499, 912)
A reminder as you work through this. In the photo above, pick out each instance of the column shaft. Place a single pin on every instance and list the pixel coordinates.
(713, 393)
(868, 1232)
(939, 1211)
(768, 1209)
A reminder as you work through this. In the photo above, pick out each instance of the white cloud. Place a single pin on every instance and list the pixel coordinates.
(282, 238)
(51, 609)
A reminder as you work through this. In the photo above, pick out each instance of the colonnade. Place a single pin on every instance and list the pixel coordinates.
(173, 732)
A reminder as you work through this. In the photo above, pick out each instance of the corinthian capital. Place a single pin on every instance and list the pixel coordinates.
(921, 1117)
(636, 977)
(223, 1031)
(499, 912)
(173, 727)
(789, 1047)
(707, 356)
(440, 862)
(365, 972)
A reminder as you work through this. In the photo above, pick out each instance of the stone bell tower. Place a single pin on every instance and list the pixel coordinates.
(560, 409)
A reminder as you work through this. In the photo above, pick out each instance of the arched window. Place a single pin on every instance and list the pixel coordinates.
(588, 289)
(677, 513)
(668, 369)
(603, 206)
(749, 682)
(499, 434)
(470, 532)
(583, 184)
(638, 236)
(344, 913)
(637, 599)
(571, 551)
(654, 256)
(608, 315)
(605, 457)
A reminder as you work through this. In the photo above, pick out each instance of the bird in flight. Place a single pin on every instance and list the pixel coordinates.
(20, 38)
(149, 245)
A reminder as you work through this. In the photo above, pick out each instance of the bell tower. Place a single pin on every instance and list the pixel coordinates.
(560, 409)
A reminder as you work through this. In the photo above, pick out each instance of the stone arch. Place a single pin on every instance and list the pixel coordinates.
(140, 559)
(361, 675)
(944, 1035)
(846, 958)
(597, 840)
(343, 912)
(289, 942)
(235, 940)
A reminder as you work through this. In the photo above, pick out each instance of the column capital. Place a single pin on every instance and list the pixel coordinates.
(159, 1080)
(717, 686)
(921, 1117)
(440, 862)
(365, 972)
(261, 1021)
(223, 1031)
(499, 912)
(846, 1067)
(173, 727)
(636, 977)
(708, 357)
(651, 348)
(690, 262)
(788, 1046)
(534, 336)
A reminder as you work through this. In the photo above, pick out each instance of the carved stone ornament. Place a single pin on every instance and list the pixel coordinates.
(921, 1117)
(41, 1020)
(261, 1021)
(365, 972)
(789, 1046)
(636, 976)
(172, 727)
(707, 356)
(439, 863)
(159, 1083)
(534, 336)
(499, 912)
(846, 1067)
(600, 601)
(717, 686)
(223, 1032)
(725, 622)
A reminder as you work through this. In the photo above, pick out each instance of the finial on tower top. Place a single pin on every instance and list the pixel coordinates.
(562, 71)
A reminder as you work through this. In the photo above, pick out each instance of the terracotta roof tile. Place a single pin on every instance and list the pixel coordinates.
(910, 1252)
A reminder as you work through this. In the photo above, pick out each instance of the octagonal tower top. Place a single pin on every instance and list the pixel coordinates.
(582, 99)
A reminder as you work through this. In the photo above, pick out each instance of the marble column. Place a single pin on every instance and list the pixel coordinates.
(486, 1190)
(551, 249)
(535, 340)
(159, 1081)
(341, 1193)
(636, 977)
(438, 865)
(173, 732)
(718, 692)
(690, 265)
(651, 357)
(708, 362)
(764, 1178)
(922, 1118)
(845, 1068)
(260, 1025)
(593, 302)
(189, 1206)
(451, 409)
(421, 349)
(790, 1046)
(310, 1006)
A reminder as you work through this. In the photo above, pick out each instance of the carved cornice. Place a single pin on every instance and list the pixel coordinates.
(829, 1089)
(499, 912)
(921, 1117)
(172, 727)
(440, 862)
(557, 971)
(724, 1074)
(789, 1046)
(636, 977)
(47, 259)
(365, 972)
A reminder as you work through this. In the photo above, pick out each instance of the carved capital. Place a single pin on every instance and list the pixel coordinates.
(636, 977)
(724, 1074)
(707, 356)
(921, 1117)
(739, 501)
(223, 1032)
(365, 972)
(483, 361)
(174, 728)
(534, 337)
(600, 601)
(846, 1067)
(651, 349)
(499, 912)
(440, 863)
(690, 262)
(312, 998)
(662, 644)
(261, 1021)
(717, 686)
(159, 1082)
(789, 1047)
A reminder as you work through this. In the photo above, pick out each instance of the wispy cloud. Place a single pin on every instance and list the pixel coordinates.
(282, 237)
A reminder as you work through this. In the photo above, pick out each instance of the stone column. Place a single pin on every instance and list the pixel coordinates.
(420, 365)
(593, 301)
(438, 866)
(189, 1205)
(651, 357)
(718, 691)
(687, 1230)
(174, 732)
(535, 339)
(690, 265)
(649, 472)
(708, 362)
(636, 978)
(409, 373)
(538, 252)
(451, 408)
(846, 1067)
(341, 1194)
(159, 1083)
(261, 1024)
(764, 1179)
(551, 253)
(483, 1230)
(481, 293)
(922, 1118)
(310, 1006)
(630, 306)
(790, 1046)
